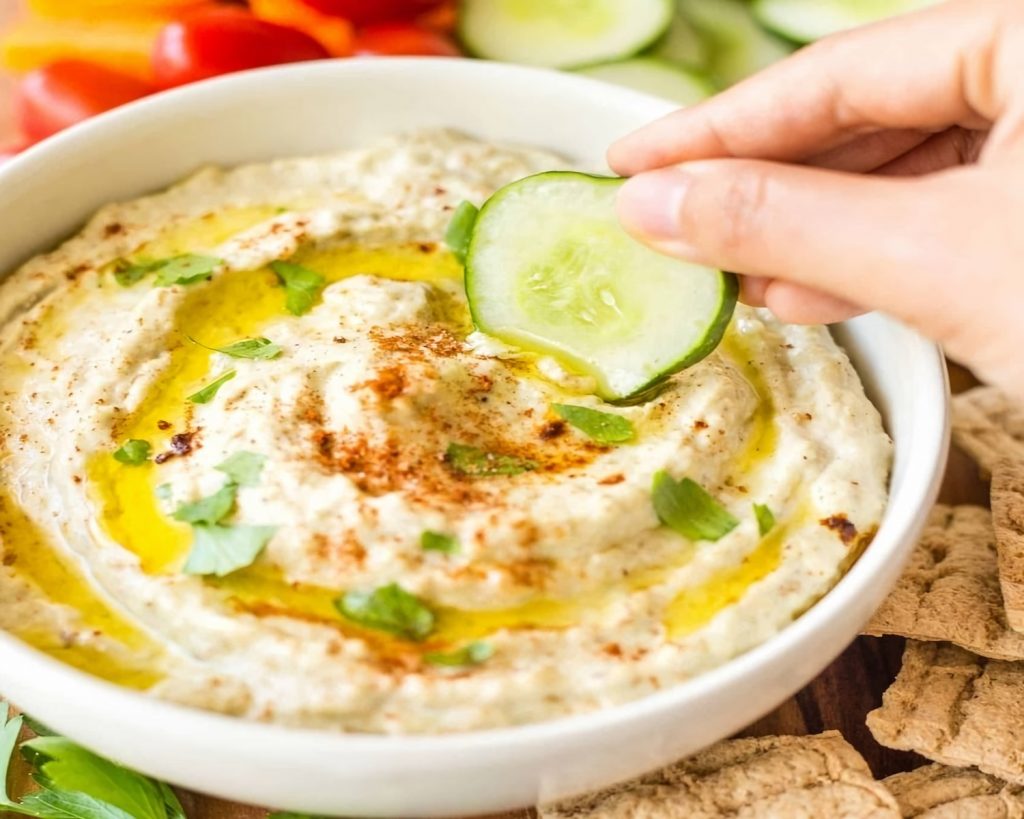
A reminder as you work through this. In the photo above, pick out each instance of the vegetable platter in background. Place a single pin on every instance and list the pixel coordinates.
(78, 58)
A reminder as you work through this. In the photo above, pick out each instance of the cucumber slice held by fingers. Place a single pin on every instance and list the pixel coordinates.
(654, 76)
(549, 269)
(561, 33)
(807, 20)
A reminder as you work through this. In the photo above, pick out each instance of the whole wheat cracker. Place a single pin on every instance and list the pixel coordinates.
(956, 708)
(1008, 519)
(950, 589)
(757, 778)
(941, 792)
(988, 426)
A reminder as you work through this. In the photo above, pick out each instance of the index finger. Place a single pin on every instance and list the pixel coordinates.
(927, 70)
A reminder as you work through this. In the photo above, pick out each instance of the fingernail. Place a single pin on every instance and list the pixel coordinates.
(650, 205)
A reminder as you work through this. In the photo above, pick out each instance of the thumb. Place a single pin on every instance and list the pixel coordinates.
(871, 241)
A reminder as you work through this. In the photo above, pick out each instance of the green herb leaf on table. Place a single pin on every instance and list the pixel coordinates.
(686, 507)
(220, 550)
(77, 784)
(478, 463)
(133, 452)
(472, 654)
(301, 286)
(460, 230)
(211, 509)
(438, 542)
(603, 427)
(765, 519)
(189, 268)
(389, 608)
(243, 468)
(258, 349)
(209, 392)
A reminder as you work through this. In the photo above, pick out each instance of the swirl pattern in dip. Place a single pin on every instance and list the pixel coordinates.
(560, 578)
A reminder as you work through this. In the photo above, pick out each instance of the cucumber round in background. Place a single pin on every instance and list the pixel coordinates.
(738, 43)
(681, 44)
(807, 20)
(549, 269)
(561, 33)
(654, 76)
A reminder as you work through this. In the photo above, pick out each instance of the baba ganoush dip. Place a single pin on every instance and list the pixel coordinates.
(256, 460)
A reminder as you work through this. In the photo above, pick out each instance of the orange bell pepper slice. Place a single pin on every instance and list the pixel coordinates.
(334, 33)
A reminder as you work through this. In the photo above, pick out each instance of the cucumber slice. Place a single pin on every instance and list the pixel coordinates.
(654, 76)
(561, 33)
(550, 270)
(807, 20)
(739, 45)
(681, 44)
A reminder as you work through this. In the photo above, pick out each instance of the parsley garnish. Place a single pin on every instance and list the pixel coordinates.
(259, 349)
(207, 393)
(243, 468)
(765, 519)
(460, 230)
(211, 509)
(472, 654)
(686, 508)
(478, 463)
(603, 427)
(78, 784)
(389, 608)
(133, 452)
(301, 286)
(438, 542)
(221, 550)
(188, 268)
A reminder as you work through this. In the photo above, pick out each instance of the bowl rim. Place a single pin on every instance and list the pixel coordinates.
(140, 708)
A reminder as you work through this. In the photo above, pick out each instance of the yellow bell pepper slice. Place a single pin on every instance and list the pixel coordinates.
(333, 33)
(121, 43)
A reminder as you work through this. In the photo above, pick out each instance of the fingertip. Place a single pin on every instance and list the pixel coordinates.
(752, 290)
(795, 304)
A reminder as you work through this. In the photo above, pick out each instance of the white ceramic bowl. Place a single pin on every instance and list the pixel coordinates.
(47, 193)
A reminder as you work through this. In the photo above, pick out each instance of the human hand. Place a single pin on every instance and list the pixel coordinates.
(882, 169)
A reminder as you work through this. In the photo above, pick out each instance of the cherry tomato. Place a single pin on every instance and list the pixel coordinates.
(396, 39)
(221, 40)
(63, 93)
(362, 12)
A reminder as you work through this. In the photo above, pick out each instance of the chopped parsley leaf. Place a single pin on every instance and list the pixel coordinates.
(478, 463)
(603, 427)
(471, 654)
(765, 519)
(438, 542)
(211, 509)
(133, 452)
(258, 349)
(301, 286)
(685, 507)
(209, 392)
(220, 550)
(389, 608)
(243, 468)
(460, 230)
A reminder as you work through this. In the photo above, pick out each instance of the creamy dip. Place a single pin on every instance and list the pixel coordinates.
(563, 574)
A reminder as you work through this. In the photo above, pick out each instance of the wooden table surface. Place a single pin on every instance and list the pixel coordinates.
(839, 698)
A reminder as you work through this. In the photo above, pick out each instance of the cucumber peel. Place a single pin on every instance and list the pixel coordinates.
(561, 33)
(550, 270)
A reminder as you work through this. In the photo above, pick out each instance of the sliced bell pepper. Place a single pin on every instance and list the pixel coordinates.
(123, 44)
(93, 9)
(334, 33)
